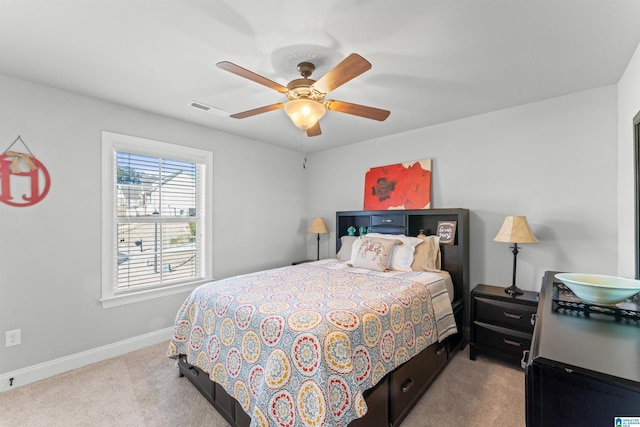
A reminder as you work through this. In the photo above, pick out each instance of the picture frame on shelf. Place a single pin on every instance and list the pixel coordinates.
(446, 231)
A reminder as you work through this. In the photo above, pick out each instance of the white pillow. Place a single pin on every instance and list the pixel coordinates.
(402, 256)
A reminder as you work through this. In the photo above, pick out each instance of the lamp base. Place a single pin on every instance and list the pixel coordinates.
(513, 290)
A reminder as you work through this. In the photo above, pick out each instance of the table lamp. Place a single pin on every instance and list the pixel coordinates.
(515, 229)
(319, 227)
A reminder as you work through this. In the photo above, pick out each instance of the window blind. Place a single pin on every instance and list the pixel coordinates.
(158, 213)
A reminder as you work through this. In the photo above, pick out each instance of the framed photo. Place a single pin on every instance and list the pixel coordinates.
(447, 232)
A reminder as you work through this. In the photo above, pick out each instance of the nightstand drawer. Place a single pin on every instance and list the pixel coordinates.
(506, 341)
(505, 314)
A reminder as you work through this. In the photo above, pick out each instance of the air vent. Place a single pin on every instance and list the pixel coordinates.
(208, 108)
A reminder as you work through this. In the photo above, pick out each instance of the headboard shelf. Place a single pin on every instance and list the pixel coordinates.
(455, 257)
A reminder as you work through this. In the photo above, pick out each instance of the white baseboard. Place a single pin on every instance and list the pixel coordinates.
(53, 367)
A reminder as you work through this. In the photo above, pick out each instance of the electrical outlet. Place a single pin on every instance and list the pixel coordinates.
(12, 338)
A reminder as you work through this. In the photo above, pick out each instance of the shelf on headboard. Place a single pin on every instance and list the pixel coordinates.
(408, 222)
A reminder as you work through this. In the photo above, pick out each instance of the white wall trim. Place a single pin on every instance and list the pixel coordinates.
(53, 367)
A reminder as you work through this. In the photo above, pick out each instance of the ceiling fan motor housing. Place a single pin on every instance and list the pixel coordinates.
(302, 88)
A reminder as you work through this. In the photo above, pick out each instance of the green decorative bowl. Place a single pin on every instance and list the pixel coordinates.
(598, 288)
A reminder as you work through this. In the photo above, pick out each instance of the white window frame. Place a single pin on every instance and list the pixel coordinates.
(112, 142)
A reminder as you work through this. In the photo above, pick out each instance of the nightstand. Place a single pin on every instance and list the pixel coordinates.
(501, 324)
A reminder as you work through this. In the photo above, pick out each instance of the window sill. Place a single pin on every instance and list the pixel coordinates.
(149, 294)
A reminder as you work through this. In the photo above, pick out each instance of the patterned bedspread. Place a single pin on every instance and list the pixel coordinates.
(297, 346)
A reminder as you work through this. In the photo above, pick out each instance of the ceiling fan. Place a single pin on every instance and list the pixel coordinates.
(306, 103)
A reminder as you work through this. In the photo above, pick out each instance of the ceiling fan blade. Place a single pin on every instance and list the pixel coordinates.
(314, 130)
(256, 111)
(243, 72)
(357, 110)
(350, 67)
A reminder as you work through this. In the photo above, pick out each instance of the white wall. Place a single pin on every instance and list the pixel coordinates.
(628, 107)
(50, 252)
(554, 161)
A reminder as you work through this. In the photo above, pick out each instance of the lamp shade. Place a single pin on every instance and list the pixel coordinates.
(318, 226)
(515, 229)
(304, 112)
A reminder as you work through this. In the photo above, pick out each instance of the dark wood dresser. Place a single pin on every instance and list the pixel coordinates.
(581, 370)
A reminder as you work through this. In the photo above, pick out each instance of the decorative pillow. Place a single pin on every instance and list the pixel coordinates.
(402, 256)
(373, 253)
(427, 255)
(344, 254)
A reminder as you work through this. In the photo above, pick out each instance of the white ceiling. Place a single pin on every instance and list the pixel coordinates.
(433, 61)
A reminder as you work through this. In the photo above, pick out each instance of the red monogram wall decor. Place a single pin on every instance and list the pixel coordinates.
(22, 185)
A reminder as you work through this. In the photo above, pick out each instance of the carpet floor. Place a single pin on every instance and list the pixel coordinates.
(142, 388)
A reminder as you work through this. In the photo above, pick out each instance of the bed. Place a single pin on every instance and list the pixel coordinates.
(337, 341)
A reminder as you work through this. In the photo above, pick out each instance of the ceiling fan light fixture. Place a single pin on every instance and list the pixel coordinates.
(304, 113)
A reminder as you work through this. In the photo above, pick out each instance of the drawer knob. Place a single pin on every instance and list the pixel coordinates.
(387, 220)
(511, 315)
(407, 385)
(439, 351)
(511, 342)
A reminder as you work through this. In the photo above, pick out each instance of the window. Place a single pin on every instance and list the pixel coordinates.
(155, 217)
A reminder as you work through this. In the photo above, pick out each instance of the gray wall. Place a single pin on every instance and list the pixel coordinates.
(566, 163)
(50, 252)
(553, 161)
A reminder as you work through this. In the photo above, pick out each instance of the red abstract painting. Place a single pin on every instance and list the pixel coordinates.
(400, 186)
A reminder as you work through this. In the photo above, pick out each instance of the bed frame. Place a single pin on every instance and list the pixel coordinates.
(391, 400)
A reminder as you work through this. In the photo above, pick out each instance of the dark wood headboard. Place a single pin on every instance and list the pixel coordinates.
(455, 257)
